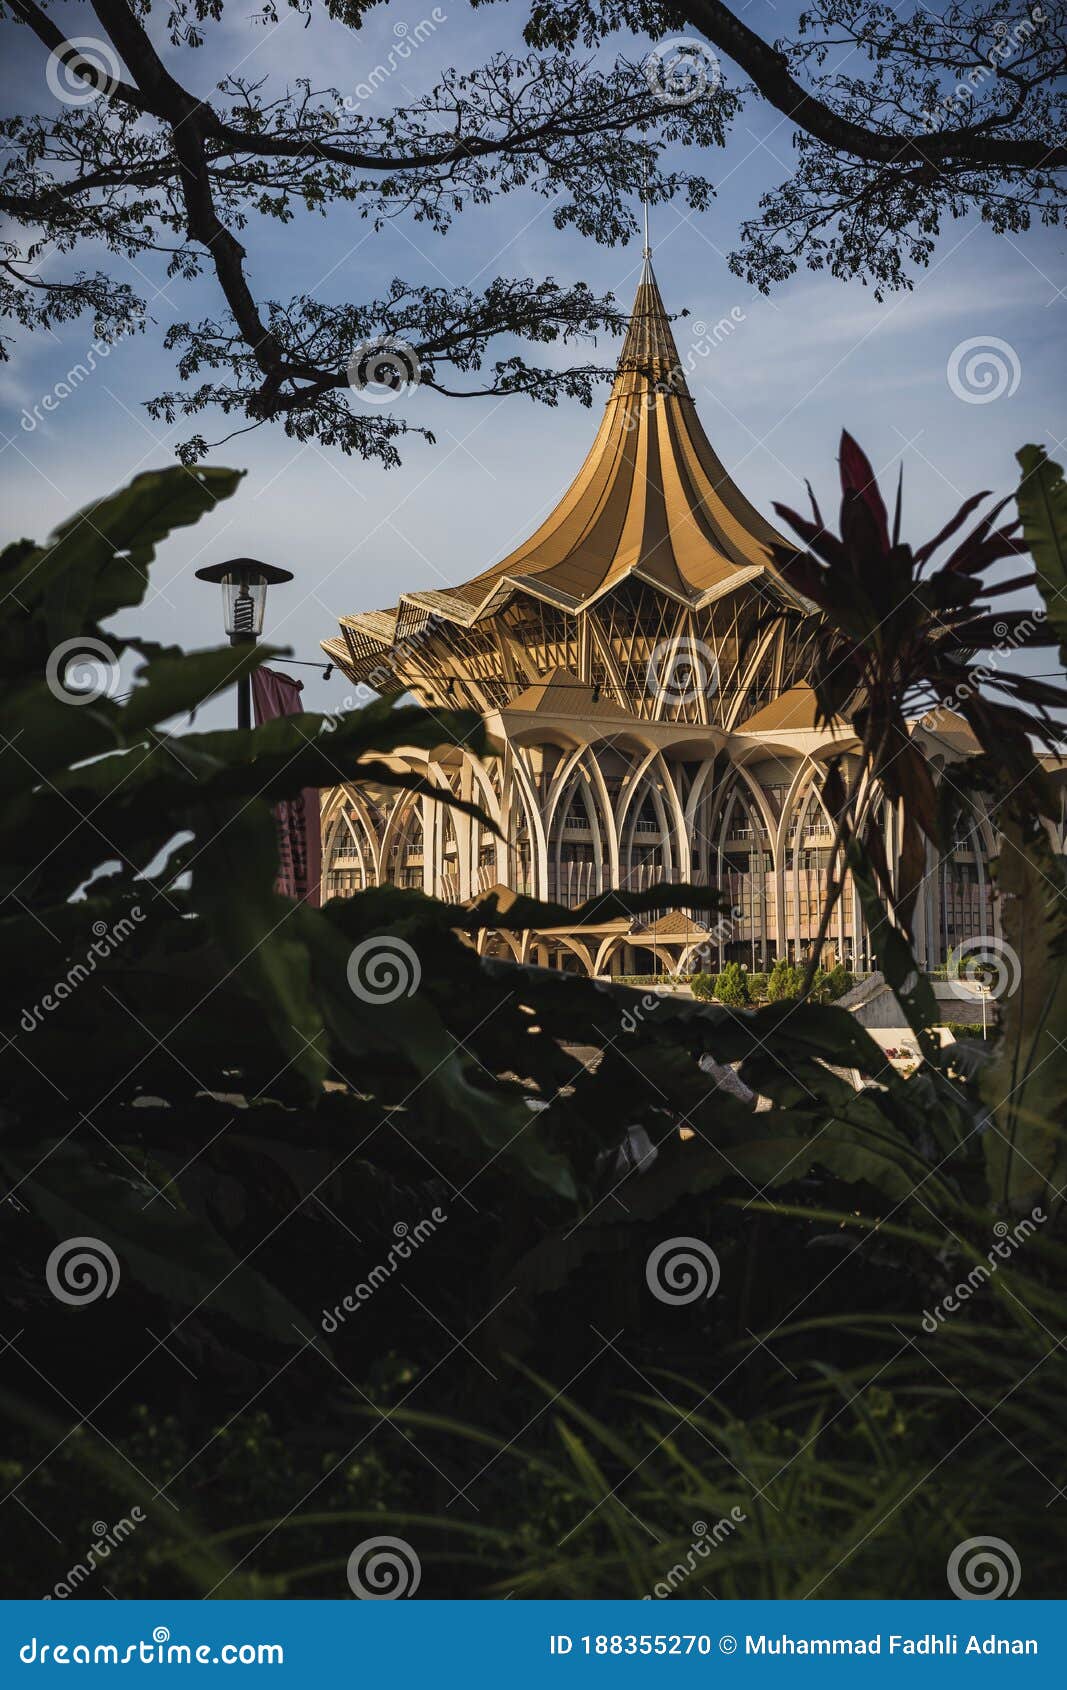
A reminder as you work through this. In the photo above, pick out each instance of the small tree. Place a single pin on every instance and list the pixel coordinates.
(703, 986)
(731, 988)
(784, 981)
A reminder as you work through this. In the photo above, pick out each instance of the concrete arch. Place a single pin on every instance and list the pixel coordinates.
(580, 950)
(521, 785)
(739, 787)
(648, 788)
(406, 813)
(587, 770)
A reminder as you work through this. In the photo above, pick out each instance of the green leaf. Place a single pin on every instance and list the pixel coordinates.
(1042, 500)
(184, 680)
(160, 1247)
(233, 889)
(913, 990)
(1026, 1086)
(515, 912)
(96, 563)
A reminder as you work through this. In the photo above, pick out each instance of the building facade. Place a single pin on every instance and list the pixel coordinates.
(641, 668)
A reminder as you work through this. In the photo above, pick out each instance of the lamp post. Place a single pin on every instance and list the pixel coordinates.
(244, 584)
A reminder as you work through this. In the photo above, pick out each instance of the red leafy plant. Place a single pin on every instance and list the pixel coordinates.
(898, 638)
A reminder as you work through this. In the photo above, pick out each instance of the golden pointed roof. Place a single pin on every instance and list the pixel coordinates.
(652, 498)
(652, 501)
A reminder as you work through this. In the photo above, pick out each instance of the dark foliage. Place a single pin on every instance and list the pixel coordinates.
(254, 1139)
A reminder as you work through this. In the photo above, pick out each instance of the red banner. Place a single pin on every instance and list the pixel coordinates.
(299, 844)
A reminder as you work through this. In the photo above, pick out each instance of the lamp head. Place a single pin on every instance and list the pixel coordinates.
(244, 582)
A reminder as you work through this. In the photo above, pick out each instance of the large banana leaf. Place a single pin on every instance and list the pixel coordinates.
(1042, 500)
(96, 562)
(1026, 1086)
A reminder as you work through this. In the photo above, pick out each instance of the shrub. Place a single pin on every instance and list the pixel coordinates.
(703, 986)
(731, 988)
(784, 981)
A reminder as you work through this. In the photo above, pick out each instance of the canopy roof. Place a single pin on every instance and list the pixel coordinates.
(652, 501)
(652, 497)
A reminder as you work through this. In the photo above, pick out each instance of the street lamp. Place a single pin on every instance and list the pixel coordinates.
(244, 584)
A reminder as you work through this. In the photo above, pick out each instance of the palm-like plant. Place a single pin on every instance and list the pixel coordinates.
(898, 637)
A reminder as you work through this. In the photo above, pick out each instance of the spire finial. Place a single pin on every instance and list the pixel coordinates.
(647, 254)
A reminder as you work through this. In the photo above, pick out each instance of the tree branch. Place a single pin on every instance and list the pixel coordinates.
(769, 70)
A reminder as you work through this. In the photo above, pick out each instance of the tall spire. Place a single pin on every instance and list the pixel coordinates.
(652, 500)
(649, 360)
(647, 252)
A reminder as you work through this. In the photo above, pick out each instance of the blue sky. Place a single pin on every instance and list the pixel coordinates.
(773, 396)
